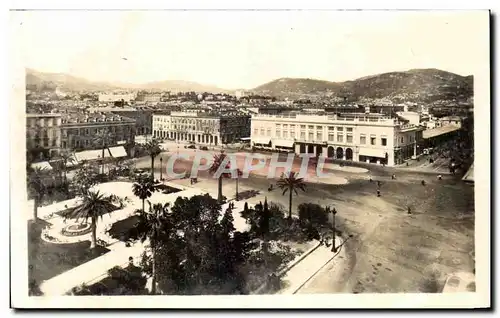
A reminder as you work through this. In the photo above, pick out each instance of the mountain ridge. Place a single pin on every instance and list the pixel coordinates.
(411, 85)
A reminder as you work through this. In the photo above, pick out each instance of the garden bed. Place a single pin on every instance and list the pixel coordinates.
(119, 281)
(165, 189)
(47, 260)
(121, 230)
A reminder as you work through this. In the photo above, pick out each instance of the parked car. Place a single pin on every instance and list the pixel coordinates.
(203, 148)
(460, 282)
(190, 147)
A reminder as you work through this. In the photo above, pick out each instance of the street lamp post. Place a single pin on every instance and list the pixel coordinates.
(334, 248)
(161, 168)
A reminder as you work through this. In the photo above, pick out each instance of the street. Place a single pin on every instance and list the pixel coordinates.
(391, 250)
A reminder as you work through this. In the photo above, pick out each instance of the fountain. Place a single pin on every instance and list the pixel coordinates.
(76, 229)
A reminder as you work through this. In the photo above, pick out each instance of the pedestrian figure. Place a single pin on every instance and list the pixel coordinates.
(409, 210)
(440, 177)
(407, 164)
(423, 182)
(379, 183)
(393, 177)
(371, 180)
(378, 192)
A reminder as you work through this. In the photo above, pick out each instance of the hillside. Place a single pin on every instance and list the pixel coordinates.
(413, 85)
(299, 86)
(40, 81)
(418, 85)
(50, 81)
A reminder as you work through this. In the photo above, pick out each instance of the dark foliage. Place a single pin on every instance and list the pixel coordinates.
(196, 251)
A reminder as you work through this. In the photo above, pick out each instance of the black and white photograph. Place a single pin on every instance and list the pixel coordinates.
(266, 156)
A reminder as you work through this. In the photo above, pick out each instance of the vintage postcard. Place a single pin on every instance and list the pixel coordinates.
(250, 159)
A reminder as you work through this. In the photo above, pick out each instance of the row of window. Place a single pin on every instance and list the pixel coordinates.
(44, 133)
(312, 127)
(45, 142)
(44, 122)
(373, 140)
(92, 131)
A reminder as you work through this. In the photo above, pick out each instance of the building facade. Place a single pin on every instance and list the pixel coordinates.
(80, 132)
(202, 127)
(110, 98)
(149, 97)
(451, 121)
(368, 138)
(143, 119)
(43, 135)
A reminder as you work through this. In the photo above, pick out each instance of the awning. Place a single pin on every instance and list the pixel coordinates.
(91, 155)
(284, 143)
(372, 152)
(118, 152)
(44, 165)
(431, 133)
(261, 140)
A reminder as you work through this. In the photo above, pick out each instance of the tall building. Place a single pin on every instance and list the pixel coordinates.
(371, 138)
(202, 127)
(43, 135)
(79, 131)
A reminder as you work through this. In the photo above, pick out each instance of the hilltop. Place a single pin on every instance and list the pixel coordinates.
(50, 81)
(412, 85)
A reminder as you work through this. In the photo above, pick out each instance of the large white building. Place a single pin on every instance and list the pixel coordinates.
(359, 137)
(202, 127)
(109, 98)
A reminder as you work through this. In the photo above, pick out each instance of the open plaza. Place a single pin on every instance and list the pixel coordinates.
(409, 236)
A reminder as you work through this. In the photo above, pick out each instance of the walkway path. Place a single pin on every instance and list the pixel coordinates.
(89, 271)
(300, 274)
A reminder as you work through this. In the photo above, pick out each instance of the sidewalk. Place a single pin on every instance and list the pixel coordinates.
(302, 272)
(91, 270)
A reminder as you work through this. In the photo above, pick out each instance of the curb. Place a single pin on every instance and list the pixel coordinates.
(300, 259)
(287, 268)
(344, 239)
(316, 272)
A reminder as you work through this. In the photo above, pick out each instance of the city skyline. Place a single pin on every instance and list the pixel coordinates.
(236, 50)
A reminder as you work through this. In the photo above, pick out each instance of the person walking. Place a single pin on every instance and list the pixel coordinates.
(409, 210)
(378, 192)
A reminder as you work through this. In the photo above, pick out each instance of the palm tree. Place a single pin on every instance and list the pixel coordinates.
(65, 157)
(143, 188)
(103, 139)
(218, 160)
(153, 149)
(93, 206)
(154, 225)
(36, 185)
(289, 182)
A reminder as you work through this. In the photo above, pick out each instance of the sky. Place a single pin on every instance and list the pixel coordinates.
(244, 49)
